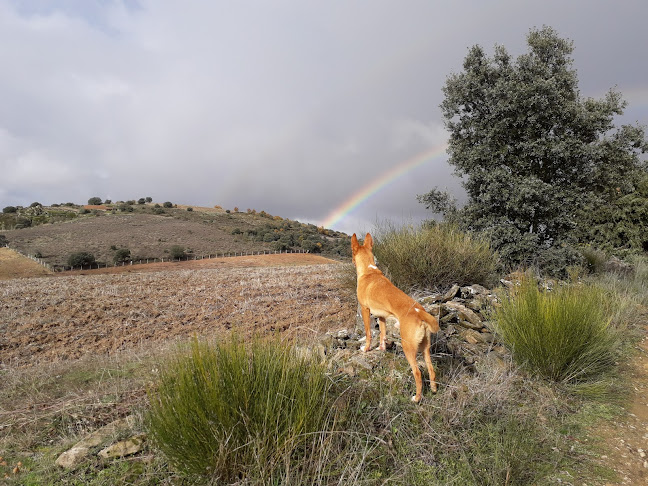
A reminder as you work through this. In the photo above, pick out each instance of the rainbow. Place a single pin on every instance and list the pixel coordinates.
(379, 183)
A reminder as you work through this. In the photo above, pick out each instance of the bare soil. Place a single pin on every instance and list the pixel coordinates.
(14, 265)
(111, 310)
(626, 440)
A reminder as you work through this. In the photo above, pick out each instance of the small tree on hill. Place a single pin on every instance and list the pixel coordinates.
(81, 259)
(121, 255)
(94, 201)
(177, 251)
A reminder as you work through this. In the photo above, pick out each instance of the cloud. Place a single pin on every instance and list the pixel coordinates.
(286, 106)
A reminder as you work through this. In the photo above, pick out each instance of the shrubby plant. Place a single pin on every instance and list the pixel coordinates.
(434, 256)
(563, 335)
(237, 410)
(81, 259)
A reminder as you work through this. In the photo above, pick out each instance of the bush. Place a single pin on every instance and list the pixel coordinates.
(435, 256)
(168, 204)
(563, 335)
(177, 251)
(121, 255)
(9, 209)
(94, 201)
(233, 411)
(81, 259)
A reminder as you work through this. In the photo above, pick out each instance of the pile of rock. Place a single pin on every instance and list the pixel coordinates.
(466, 333)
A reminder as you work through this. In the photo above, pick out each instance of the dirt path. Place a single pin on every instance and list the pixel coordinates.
(626, 439)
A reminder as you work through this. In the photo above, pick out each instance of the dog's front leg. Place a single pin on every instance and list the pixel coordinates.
(366, 319)
(383, 332)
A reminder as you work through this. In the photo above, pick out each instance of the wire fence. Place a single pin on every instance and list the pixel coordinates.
(144, 261)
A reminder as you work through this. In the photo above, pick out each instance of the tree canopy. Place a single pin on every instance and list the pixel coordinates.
(537, 160)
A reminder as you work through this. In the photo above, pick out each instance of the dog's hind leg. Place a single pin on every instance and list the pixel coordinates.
(425, 347)
(366, 319)
(383, 332)
(410, 351)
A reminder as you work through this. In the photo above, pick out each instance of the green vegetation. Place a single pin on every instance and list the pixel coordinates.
(434, 256)
(121, 255)
(81, 259)
(545, 170)
(177, 252)
(563, 334)
(236, 411)
(94, 201)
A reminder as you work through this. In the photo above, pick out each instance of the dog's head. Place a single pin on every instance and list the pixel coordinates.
(362, 254)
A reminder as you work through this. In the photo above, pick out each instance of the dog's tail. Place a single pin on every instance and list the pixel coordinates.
(430, 321)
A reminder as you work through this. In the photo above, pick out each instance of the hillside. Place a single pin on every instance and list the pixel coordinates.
(149, 231)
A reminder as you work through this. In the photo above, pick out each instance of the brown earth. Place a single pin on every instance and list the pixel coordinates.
(626, 439)
(14, 265)
(108, 311)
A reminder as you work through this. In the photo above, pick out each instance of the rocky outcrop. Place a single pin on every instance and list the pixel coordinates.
(466, 336)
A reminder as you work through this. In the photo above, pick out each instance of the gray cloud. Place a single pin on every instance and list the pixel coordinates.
(290, 107)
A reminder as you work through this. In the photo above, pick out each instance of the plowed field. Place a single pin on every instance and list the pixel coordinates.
(110, 310)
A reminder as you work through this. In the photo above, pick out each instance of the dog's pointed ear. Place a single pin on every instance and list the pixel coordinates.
(368, 242)
(354, 243)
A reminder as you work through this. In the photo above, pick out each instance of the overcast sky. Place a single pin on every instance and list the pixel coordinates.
(289, 106)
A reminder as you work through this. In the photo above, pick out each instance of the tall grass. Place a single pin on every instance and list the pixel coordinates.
(232, 410)
(564, 334)
(434, 256)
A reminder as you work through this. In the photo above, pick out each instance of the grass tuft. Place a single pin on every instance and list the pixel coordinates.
(235, 409)
(434, 256)
(563, 335)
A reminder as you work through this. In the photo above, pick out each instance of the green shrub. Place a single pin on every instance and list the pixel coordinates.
(121, 255)
(9, 209)
(81, 259)
(234, 411)
(434, 256)
(94, 201)
(177, 251)
(168, 204)
(563, 334)
(594, 259)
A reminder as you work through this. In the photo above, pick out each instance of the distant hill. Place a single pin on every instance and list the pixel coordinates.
(152, 230)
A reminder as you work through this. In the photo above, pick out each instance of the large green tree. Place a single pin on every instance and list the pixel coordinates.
(536, 159)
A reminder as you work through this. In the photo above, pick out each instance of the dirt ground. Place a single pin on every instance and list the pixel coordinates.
(68, 316)
(14, 265)
(626, 440)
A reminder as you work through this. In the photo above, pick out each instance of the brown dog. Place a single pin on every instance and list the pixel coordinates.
(378, 296)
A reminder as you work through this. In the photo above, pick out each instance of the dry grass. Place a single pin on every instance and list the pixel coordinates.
(14, 265)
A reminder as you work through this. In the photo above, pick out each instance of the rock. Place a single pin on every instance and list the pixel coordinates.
(464, 313)
(469, 325)
(342, 334)
(470, 336)
(124, 448)
(363, 363)
(450, 294)
(81, 450)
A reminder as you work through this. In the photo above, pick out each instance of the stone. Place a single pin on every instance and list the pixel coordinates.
(464, 313)
(81, 450)
(450, 294)
(342, 334)
(124, 448)
(469, 325)
(470, 336)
